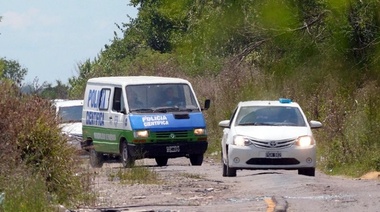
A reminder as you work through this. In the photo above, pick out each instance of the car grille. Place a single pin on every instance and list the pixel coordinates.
(273, 144)
(273, 161)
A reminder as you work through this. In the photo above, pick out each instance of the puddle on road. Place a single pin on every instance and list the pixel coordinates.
(240, 200)
(341, 197)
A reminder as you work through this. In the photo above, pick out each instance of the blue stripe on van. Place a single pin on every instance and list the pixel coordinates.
(165, 122)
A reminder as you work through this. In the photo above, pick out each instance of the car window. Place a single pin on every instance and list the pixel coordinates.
(70, 114)
(270, 115)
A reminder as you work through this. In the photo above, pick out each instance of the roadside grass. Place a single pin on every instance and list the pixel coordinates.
(336, 165)
(24, 194)
(137, 174)
(191, 175)
(87, 176)
(26, 191)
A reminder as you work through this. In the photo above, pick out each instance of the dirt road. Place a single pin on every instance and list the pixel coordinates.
(202, 188)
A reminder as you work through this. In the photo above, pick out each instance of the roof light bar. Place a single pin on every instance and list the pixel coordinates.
(284, 100)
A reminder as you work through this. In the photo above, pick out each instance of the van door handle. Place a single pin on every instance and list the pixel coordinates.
(110, 117)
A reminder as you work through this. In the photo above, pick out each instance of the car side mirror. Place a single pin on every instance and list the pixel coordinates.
(315, 124)
(224, 124)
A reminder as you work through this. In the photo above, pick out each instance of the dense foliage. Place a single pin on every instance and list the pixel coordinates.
(323, 54)
(37, 166)
(12, 70)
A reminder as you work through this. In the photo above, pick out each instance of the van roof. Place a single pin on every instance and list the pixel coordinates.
(133, 80)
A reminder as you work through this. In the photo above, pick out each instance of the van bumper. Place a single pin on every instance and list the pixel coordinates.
(170, 150)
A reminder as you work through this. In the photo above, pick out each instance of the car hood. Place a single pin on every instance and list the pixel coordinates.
(272, 132)
(71, 128)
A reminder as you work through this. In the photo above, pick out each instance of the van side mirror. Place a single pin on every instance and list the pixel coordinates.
(207, 104)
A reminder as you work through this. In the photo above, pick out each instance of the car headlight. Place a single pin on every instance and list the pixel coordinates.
(141, 134)
(305, 141)
(199, 131)
(241, 141)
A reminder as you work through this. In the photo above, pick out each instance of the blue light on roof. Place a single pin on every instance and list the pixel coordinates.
(284, 100)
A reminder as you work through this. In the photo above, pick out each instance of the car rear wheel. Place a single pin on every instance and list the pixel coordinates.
(96, 158)
(307, 171)
(161, 161)
(127, 160)
(196, 160)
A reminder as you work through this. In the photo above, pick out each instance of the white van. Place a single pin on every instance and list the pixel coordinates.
(143, 117)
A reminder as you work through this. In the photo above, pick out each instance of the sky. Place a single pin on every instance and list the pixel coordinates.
(51, 37)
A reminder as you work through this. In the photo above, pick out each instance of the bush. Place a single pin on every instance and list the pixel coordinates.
(32, 146)
(26, 194)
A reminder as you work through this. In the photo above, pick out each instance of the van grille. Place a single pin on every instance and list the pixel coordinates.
(172, 136)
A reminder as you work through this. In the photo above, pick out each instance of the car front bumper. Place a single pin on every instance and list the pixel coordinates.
(251, 157)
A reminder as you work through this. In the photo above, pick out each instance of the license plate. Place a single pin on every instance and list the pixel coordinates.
(273, 154)
(171, 149)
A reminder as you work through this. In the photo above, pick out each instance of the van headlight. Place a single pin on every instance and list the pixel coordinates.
(241, 141)
(141, 134)
(304, 141)
(199, 131)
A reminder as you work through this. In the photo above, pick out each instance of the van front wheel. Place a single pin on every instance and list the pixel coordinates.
(96, 158)
(196, 159)
(126, 157)
(161, 161)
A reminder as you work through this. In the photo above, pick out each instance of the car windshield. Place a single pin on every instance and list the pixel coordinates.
(162, 98)
(270, 116)
(70, 113)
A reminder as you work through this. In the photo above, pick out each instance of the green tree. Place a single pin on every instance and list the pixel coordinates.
(12, 70)
(60, 91)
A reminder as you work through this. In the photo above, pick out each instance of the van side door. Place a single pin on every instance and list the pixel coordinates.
(116, 118)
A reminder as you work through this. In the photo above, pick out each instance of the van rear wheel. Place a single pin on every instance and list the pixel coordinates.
(127, 160)
(96, 158)
(196, 159)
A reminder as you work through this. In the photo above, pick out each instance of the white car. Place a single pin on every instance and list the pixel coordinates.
(268, 135)
(69, 113)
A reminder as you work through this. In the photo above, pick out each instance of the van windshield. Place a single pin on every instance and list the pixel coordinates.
(160, 98)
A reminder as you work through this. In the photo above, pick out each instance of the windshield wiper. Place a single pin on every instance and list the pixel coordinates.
(164, 109)
(285, 124)
(255, 124)
(187, 109)
(172, 109)
(142, 110)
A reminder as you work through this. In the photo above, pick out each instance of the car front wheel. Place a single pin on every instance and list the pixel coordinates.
(307, 171)
(228, 171)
